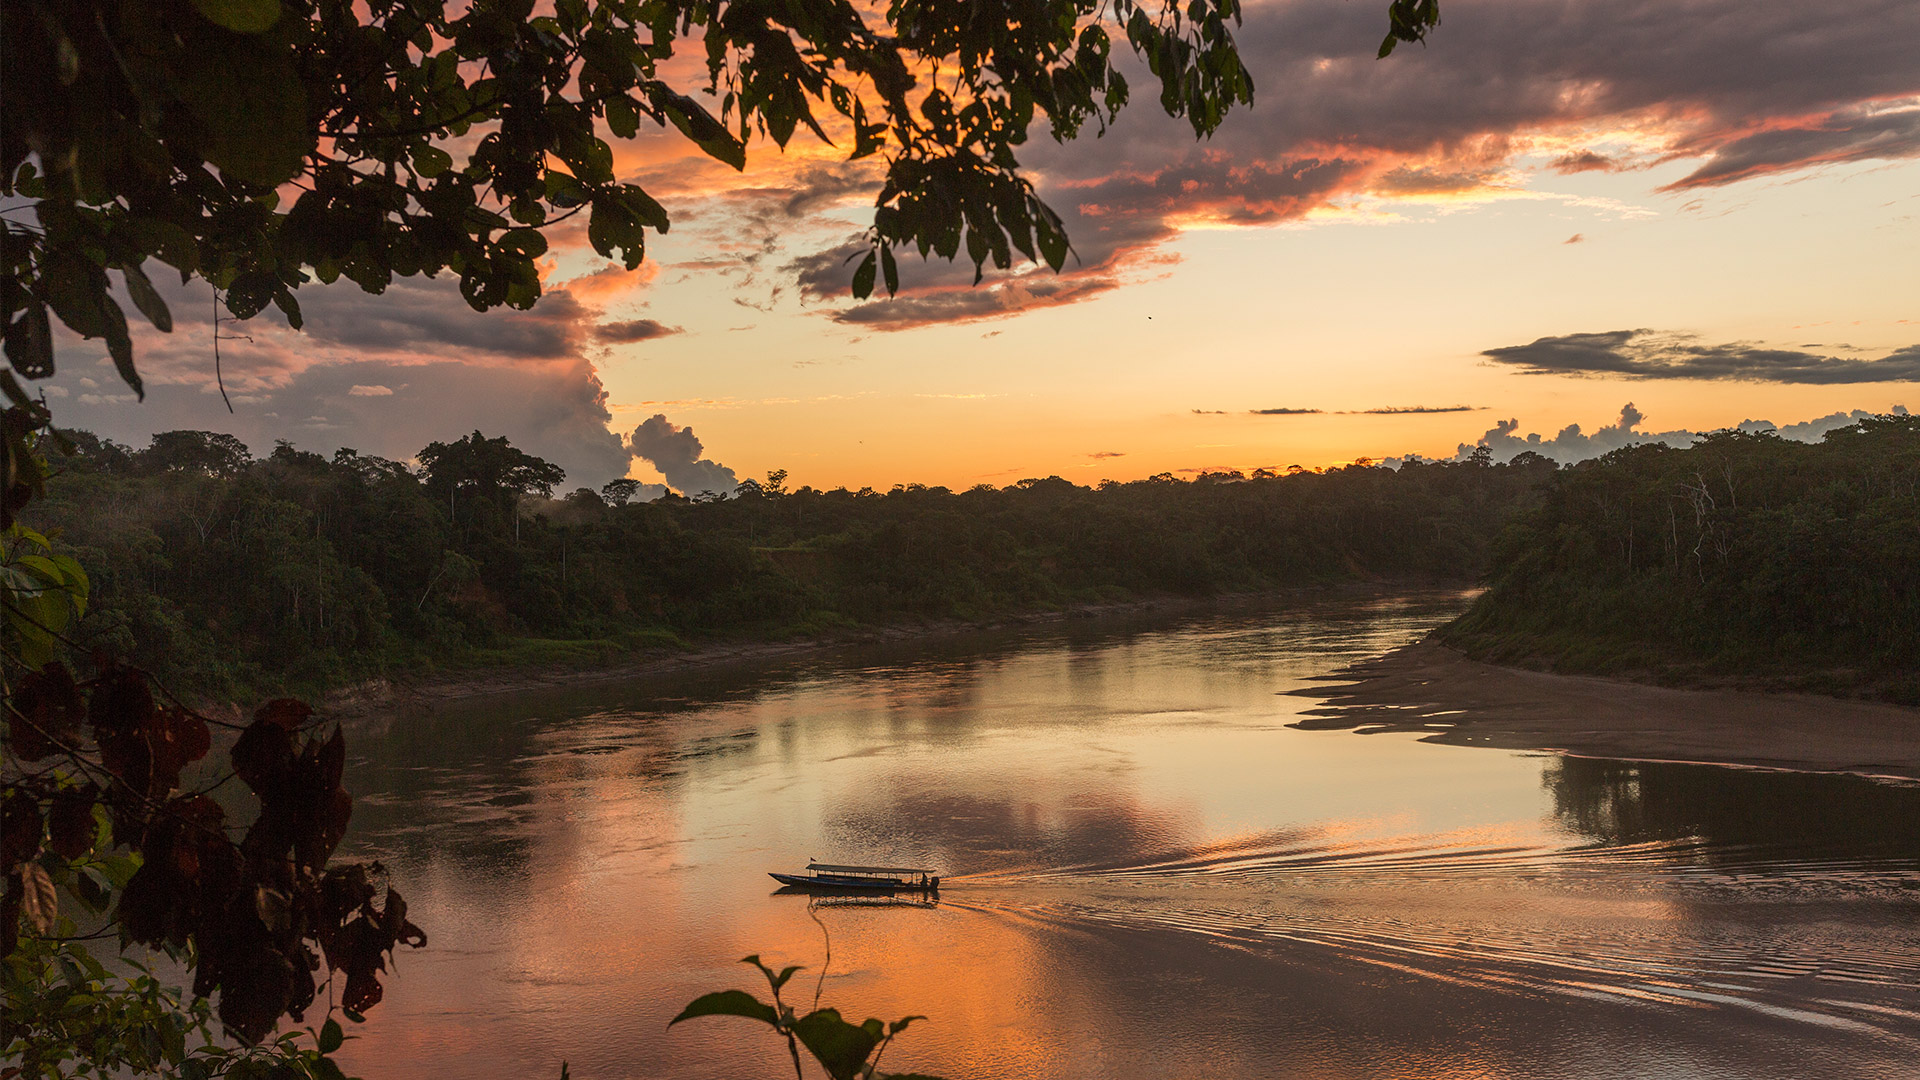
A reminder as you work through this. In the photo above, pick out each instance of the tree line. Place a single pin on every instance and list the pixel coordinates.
(1746, 558)
(231, 575)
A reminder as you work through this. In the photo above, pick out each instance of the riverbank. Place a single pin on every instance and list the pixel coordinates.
(402, 694)
(1433, 689)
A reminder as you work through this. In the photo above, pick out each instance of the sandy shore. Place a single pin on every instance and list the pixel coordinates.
(1429, 687)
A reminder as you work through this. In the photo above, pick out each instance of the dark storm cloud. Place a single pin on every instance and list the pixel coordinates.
(1644, 354)
(1850, 135)
(675, 451)
(556, 411)
(1746, 88)
(428, 316)
(958, 305)
(626, 333)
(418, 377)
(1583, 161)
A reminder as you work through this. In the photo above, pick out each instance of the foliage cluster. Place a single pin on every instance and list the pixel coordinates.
(258, 144)
(99, 803)
(845, 1050)
(1746, 557)
(355, 565)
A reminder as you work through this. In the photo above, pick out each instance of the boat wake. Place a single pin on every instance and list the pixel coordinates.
(1683, 924)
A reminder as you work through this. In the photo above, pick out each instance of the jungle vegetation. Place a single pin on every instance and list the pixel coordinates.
(1746, 559)
(353, 567)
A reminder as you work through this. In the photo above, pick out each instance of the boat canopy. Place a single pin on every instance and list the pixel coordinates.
(832, 868)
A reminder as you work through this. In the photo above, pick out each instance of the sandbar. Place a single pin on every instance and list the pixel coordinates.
(1427, 687)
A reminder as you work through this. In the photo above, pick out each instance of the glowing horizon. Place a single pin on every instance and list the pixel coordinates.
(1484, 222)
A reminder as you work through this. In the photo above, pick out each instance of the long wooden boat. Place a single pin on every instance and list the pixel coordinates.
(835, 877)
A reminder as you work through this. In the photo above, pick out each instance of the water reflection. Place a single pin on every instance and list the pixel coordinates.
(1839, 816)
(1149, 872)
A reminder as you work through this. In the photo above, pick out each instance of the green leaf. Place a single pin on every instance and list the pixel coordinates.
(74, 289)
(840, 1047)
(29, 344)
(120, 345)
(564, 190)
(645, 207)
(696, 123)
(623, 119)
(900, 1025)
(331, 1037)
(1052, 241)
(775, 981)
(613, 227)
(146, 299)
(241, 16)
(863, 277)
(430, 161)
(252, 106)
(889, 270)
(250, 293)
(290, 307)
(528, 242)
(729, 1003)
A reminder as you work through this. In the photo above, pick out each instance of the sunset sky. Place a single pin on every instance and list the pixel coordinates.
(1707, 208)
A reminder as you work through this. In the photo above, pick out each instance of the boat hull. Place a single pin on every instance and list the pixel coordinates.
(833, 883)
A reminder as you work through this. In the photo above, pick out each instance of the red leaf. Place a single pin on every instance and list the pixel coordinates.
(263, 755)
(70, 822)
(49, 699)
(285, 713)
(122, 711)
(19, 829)
(176, 738)
(255, 991)
(363, 992)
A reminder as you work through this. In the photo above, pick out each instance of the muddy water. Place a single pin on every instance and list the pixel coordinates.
(1149, 874)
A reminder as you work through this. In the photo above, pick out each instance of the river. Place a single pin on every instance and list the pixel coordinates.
(1150, 873)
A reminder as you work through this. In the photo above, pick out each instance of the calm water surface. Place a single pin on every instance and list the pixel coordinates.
(1150, 875)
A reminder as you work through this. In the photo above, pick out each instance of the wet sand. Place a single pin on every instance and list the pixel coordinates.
(1429, 687)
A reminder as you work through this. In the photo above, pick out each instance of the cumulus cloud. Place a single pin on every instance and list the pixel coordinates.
(1571, 444)
(1646, 354)
(1815, 429)
(675, 451)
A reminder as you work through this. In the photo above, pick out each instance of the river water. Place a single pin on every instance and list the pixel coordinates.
(1149, 874)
